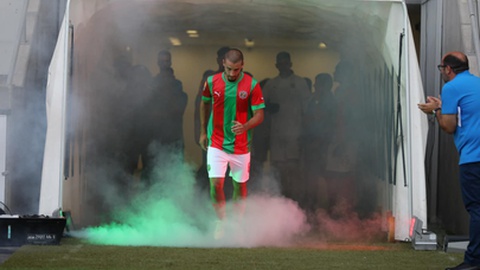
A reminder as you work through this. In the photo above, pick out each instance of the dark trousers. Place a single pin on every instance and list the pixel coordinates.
(291, 179)
(470, 185)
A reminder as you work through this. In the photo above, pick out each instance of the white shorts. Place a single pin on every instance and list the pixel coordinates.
(217, 162)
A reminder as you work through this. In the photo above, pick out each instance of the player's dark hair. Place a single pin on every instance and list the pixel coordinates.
(283, 55)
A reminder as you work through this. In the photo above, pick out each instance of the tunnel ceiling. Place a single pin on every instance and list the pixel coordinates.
(268, 23)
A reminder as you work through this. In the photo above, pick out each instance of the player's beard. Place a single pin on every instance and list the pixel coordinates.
(232, 78)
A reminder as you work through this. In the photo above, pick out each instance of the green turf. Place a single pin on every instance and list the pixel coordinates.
(76, 254)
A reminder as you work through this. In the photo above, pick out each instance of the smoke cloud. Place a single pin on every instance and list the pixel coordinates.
(173, 212)
(345, 225)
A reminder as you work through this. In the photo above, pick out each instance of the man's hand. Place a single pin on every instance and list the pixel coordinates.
(203, 141)
(238, 128)
(431, 104)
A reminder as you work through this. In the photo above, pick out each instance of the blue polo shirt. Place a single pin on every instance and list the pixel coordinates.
(461, 96)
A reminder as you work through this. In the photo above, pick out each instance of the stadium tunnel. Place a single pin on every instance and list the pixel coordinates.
(373, 37)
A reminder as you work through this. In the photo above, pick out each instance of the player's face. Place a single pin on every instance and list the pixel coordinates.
(232, 70)
(283, 65)
(443, 71)
(164, 61)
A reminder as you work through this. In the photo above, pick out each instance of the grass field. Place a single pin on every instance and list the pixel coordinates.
(170, 226)
(74, 253)
(161, 231)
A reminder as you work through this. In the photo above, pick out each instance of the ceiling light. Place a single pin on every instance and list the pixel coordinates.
(175, 41)
(192, 33)
(322, 45)
(249, 42)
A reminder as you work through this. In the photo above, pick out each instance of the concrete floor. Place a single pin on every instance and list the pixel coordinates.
(6, 252)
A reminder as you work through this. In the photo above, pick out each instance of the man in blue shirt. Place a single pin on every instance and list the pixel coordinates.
(458, 113)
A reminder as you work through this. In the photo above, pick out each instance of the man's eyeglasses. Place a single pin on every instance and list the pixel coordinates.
(441, 66)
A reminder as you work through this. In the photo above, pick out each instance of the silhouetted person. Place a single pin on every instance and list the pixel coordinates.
(289, 93)
(173, 100)
(119, 88)
(164, 112)
(317, 132)
(130, 85)
(309, 83)
(260, 143)
(342, 163)
(138, 83)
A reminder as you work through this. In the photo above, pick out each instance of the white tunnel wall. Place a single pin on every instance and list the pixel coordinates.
(51, 190)
(410, 192)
